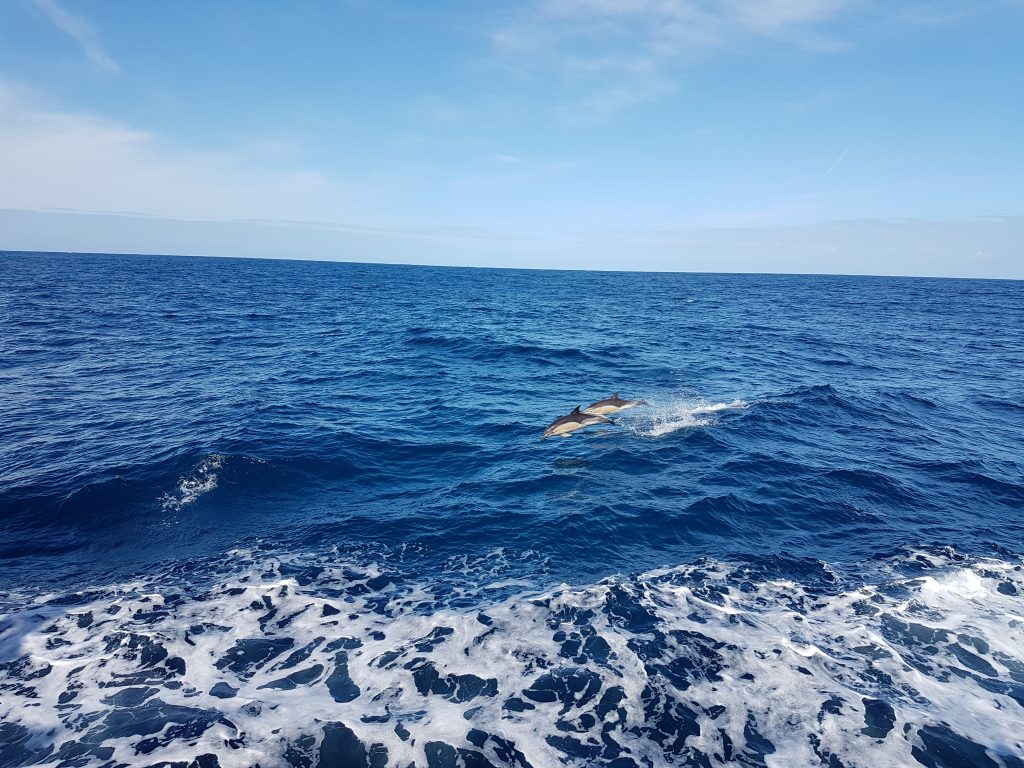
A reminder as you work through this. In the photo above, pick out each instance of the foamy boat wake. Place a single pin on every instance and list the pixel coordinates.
(307, 661)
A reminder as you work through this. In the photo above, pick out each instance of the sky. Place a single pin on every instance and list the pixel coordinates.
(841, 136)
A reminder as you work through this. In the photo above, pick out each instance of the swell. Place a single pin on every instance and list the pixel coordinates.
(172, 408)
(60, 517)
(685, 475)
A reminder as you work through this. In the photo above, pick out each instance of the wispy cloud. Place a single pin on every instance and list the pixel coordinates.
(52, 159)
(614, 54)
(81, 31)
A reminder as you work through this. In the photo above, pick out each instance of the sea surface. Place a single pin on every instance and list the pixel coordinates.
(289, 513)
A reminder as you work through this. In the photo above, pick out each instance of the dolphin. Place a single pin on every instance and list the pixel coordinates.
(566, 425)
(613, 404)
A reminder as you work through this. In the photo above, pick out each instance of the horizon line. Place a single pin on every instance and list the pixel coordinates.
(314, 259)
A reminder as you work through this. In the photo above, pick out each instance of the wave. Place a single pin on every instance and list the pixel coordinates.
(199, 481)
(291, 661)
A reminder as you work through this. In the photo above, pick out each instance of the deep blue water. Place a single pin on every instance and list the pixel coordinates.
(806, 549)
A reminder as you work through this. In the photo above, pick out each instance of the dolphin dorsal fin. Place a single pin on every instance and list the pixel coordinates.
(576, 409)
(615, 395)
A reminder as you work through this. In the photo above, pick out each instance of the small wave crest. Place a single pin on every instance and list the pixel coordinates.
(201, 480)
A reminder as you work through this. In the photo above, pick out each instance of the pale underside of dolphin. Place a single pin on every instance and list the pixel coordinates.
(611, 405)
(566, 425)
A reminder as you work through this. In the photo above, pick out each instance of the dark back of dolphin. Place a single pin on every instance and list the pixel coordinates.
(615, 402)
(575, 415)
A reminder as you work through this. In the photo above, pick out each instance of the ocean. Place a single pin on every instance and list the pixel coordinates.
(297, 514)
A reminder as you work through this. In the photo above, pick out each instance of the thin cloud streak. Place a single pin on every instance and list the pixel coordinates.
(81, 31)
(840, 158)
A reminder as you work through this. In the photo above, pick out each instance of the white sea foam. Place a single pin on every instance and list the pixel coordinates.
(199, 481)
(703, 660)
(663, 417)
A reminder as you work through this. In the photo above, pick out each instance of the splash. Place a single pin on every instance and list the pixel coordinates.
(665, 417)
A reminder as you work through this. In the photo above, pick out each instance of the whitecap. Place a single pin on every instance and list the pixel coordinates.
(196, 483)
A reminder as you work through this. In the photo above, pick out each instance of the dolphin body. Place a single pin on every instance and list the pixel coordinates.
(566, 425)
(613, 404)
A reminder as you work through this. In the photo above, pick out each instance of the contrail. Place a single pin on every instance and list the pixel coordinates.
(839, 159)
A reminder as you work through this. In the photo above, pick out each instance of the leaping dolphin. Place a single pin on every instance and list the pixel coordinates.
(613, 404)
(566, 425)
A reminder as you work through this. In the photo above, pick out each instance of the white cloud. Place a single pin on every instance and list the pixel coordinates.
(81, 31)
(774, 16)
(52, 159)
(619, 53)
(693, 22)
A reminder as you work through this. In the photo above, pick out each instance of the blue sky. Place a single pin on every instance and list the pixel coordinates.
(780, 135)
